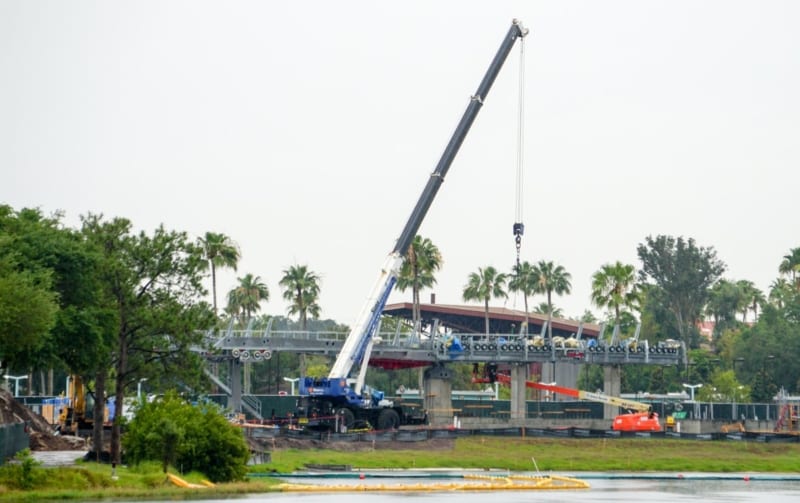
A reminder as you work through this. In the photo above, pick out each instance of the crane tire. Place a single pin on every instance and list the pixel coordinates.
(347, 417)
(388, 419)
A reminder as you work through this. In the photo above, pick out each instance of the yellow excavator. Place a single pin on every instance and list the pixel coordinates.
(72, 418)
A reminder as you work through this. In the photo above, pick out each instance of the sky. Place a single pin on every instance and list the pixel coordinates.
(306, 131)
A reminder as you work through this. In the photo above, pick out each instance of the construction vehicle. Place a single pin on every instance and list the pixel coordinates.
(73, 418)
(641, 417)
(340, 402)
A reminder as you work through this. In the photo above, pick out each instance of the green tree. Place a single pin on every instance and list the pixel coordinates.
(154, 283)
(752, 298)
(28, 311)
(485, 285)
(683, 273)
(420, 264)
(790, 265)
(614, 287)
(724, 387)
(219, 251)
(193, 437)
(245, 300)
(545, 308)
(550, 278)
(523, 280)
(725, 298)
(780, 291)
(301, 289)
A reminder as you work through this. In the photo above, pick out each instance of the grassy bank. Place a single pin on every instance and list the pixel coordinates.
(93, 481)
(565, 455)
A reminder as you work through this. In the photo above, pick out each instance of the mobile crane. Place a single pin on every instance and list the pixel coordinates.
(641, 417)
(340, 402)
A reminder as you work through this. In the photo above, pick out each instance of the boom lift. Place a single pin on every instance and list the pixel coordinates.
(642, 417)
(340, 402)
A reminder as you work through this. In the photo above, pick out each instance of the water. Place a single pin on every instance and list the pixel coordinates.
(767, 488)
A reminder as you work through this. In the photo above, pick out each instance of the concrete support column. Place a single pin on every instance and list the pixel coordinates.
(612, 387)
(437, 389)
(235, 373)
(519, 405)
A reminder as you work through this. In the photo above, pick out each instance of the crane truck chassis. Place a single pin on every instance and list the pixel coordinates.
(340, 402)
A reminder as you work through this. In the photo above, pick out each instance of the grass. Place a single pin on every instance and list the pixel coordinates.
(565, 455)
(93, 481)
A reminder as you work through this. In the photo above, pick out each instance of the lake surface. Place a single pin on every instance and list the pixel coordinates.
(650, 488)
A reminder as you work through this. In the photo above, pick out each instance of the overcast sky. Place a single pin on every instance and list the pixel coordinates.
(306, 131)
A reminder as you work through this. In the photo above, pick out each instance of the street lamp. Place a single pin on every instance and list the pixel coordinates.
(692, 387)
(293, 381)
(17, 379)
(139, 388)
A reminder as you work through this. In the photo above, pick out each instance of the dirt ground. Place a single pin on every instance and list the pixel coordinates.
(282, 443)
(43, 436)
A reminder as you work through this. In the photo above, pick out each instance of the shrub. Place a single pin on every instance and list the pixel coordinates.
(172, 431)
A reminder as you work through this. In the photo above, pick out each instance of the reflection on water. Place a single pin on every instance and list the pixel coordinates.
(637, 490)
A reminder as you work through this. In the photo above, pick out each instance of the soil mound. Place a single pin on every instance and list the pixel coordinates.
(43, 435)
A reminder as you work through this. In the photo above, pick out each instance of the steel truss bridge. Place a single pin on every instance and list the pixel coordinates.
(396, 350)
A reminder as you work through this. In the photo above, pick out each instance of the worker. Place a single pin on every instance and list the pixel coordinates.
(670, 422)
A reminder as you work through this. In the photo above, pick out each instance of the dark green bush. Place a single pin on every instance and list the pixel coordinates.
(190, 437)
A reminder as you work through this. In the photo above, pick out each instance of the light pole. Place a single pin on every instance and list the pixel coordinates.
(139, 388)
(692, 387)
(17, 379)
(293, 381)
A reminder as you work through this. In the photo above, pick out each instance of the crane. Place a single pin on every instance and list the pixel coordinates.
(340, 401)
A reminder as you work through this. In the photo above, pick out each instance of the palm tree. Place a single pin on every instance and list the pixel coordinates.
(548, 279)
(484, 285)
(245, 299)
(543, 308)
(219, 251)
(791, 265)
(301, 289)
(522, 280)
(752, 297)
(614, 287)
(779, 291)
(422, 259)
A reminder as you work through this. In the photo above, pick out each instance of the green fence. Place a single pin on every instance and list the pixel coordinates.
(13, 438)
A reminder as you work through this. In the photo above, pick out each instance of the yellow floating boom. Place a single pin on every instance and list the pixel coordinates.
(477, 483)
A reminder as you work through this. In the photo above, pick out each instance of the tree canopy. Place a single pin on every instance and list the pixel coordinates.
(682, 273)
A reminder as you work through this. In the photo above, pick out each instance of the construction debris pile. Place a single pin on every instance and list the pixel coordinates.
(42, 434)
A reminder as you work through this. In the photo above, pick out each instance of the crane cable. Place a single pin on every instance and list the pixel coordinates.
(519, 227)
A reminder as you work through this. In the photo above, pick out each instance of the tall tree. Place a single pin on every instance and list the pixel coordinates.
(725, 299)
(545, 309)
(301, 289)
(485, 285)
(219, 251)
(752, 298)
(779, 292)
(245, 300)
(422, 260)
(791, 265)
(614, 287)
(154, 283)
(523, 280)
(550, 278)
(683, 272)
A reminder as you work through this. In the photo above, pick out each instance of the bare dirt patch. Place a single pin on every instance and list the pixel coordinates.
(42, 434)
